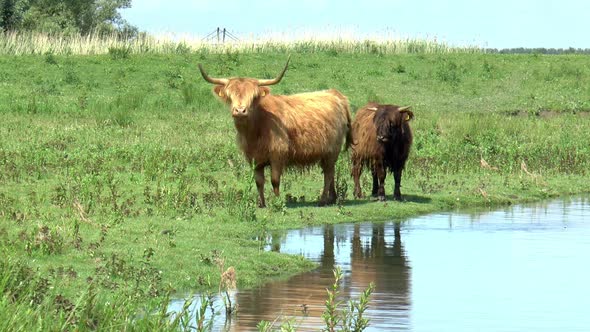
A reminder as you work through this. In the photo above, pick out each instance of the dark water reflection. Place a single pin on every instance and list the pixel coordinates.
(524, 268)
(366, 253)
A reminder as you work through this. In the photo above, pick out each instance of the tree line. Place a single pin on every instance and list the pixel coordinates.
(66, 17)
(538, 50)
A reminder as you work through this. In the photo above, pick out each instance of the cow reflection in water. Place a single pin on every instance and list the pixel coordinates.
(366, 254)
(386, 265)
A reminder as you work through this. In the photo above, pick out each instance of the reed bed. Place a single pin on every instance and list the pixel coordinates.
(28, 43)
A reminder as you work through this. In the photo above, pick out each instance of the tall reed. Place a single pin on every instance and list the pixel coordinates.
(23, 43)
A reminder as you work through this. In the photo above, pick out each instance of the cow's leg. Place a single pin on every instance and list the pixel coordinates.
(329, 193)
(357, 169)
(397, 174)
(276, 169)
(259, 178)
(380, 173)
(375, 190)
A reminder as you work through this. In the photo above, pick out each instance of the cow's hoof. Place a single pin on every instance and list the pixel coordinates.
(397, 198)
(382, 198)
(326, 202)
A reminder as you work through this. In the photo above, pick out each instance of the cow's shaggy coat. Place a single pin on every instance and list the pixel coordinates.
(382, 140)
(281, 131)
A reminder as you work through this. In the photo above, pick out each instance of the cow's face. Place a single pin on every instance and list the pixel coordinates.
(242, 95)
(389, 122)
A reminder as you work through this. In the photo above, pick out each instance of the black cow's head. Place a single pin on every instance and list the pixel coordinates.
(391, 122)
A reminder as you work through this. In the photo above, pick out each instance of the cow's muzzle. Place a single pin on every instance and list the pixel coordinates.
(239, 112)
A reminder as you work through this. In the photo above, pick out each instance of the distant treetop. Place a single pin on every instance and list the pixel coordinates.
(66, 17)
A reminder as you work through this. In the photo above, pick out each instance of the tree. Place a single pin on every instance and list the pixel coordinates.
(8, 14)
(66, 16)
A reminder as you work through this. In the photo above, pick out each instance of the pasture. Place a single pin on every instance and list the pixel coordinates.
(121, 181)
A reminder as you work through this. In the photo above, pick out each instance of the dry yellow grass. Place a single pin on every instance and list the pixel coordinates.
(23, 43)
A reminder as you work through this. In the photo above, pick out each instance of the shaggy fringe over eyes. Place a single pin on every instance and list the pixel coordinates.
(242, 90)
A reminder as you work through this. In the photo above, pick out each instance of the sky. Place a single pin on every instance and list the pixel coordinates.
(492, 23)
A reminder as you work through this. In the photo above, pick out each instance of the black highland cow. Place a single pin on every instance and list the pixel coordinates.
(382, 140)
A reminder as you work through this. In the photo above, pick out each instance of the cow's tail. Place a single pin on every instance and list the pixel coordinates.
(349, 138)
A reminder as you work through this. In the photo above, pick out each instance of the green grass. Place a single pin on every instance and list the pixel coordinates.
(119, 172)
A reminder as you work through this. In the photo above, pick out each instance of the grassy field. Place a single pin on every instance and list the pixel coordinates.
(121, 183)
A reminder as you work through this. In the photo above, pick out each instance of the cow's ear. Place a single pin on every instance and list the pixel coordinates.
(263, 91)
(218, 89)
(408, 115)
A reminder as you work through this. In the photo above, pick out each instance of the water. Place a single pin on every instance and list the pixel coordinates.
(523, 268)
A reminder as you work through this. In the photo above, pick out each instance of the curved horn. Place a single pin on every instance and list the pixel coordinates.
(404, 109)
(275, 80)
(222, 81)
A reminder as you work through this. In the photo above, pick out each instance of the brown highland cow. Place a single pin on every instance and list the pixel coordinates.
(382, 140)
(280, 131)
